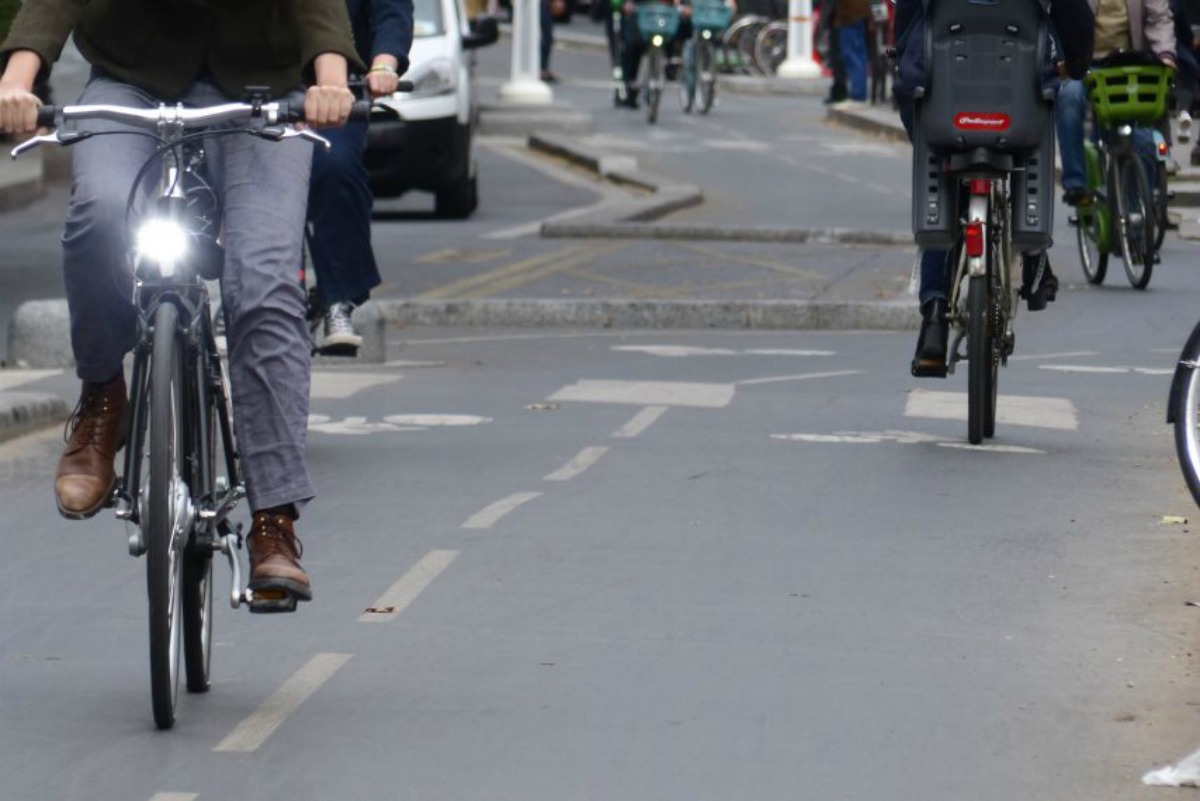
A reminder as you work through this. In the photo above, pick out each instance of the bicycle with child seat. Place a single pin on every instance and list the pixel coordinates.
(181, 476)
(698, 78)
(983, 295)
(1123, 215)
(658, 23)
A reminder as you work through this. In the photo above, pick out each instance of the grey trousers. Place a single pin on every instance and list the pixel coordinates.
(264, 190)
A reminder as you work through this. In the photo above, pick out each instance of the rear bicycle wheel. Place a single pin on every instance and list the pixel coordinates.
(1135, 221)
(981, 367)
(166, 497)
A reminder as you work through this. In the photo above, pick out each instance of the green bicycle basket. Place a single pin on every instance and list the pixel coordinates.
(1128, 94)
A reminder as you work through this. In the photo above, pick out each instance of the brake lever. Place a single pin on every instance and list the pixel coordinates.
(55, 137)
(278, 133)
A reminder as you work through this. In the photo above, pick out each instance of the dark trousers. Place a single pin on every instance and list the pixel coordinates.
(546, 24)
(339, 209)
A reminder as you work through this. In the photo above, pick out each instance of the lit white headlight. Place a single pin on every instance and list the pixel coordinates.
(163, 242)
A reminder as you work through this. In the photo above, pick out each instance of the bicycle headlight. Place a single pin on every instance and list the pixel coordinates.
(658, 40)
(438, 76)
(163, 242)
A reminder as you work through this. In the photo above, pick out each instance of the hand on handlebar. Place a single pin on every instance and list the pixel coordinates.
(327, 106)
(18, 109)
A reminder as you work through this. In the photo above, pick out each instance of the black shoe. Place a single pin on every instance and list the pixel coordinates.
(930, 358)
(1047, 282)
(1077, 196)
(631, 97)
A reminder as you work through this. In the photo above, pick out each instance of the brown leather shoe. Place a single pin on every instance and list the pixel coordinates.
(275, 571)
(96, 431)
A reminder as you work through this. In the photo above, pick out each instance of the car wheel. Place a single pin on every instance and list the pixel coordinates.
(459, 201)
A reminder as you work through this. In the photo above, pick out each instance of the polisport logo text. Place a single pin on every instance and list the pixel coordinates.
(982, 121)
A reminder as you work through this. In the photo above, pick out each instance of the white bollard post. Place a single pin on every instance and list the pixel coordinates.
(799, 62)
(525, 87)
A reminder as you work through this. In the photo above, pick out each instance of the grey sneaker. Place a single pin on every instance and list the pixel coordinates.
(340, 336)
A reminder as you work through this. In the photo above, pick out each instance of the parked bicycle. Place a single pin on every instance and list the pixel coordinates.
(1123, 215)
(658, 23)
(709, 19)
(181, 476)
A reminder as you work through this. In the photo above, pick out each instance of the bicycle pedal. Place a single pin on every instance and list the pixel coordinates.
(259, 604)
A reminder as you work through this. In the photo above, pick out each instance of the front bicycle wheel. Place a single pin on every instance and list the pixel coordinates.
(1090, 238)
(1135, 221)
(981, 367)
(165, 503)
(653, 85)
(687, 82)
(708, 75)
(1185, 412)
(1161, 196)
(197, 559)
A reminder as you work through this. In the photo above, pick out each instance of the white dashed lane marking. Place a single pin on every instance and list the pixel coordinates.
(640, 422)
(1014, 410)
(254, 730)
(899, 438)
(174, 797)
(649, 393)
(578, 464)
(801, 377)
(490, 516)
(406, 589)
(1084, 368)
(338, 384)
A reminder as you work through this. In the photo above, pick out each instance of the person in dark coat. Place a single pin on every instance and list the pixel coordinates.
(339, 197)
(1070, 51)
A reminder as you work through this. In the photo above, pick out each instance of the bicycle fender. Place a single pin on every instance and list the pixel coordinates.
(1192, 346)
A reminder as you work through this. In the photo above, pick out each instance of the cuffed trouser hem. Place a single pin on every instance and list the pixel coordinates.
(297, 494)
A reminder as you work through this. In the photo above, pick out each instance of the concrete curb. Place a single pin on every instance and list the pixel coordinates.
(23, 412)
(498, 119)
(686, 314)
(869, 122)
(827, 315)
(761, 85)
(664, 195)
(719, 233)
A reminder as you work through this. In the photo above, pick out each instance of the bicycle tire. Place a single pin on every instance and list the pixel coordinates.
(1185, 413)
(706, 68)
(770, 47)
(1160, 191)
(688, 77)
(1093, 257)
(653, 85)
(164, 441)
(980, 365)
(197, 565)
(745, 45)
(1135, 210)
(732, 41)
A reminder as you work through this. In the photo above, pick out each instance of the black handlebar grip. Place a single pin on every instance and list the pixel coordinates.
(47, 116)
(360, 111)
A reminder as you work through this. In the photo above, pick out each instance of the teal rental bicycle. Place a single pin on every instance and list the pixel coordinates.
(710, 18)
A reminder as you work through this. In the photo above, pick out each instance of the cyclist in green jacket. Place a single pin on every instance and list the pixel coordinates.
(203, 52)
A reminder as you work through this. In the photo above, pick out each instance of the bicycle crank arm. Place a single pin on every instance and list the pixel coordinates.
(237, 596)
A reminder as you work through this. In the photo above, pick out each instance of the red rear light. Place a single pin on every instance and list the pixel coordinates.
(975, 239)
(1162, 148)
(981, 186)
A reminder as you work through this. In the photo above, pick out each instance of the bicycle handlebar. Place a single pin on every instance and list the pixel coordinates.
(288, 111)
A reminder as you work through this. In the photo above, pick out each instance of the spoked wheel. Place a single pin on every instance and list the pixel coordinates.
(1136, 216)
(1161, 197)
(1093, 250)
(707, 76)
(981, 364)
(197, 560)
(1185, 413)
(687, 83)
(164, 516)
(770, 47)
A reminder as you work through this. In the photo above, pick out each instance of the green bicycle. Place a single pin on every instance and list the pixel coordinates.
(1122, 217)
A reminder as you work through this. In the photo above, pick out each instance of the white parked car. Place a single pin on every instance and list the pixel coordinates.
(427, 144)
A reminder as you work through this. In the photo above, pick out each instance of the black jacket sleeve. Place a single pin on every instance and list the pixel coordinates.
(392, 29)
